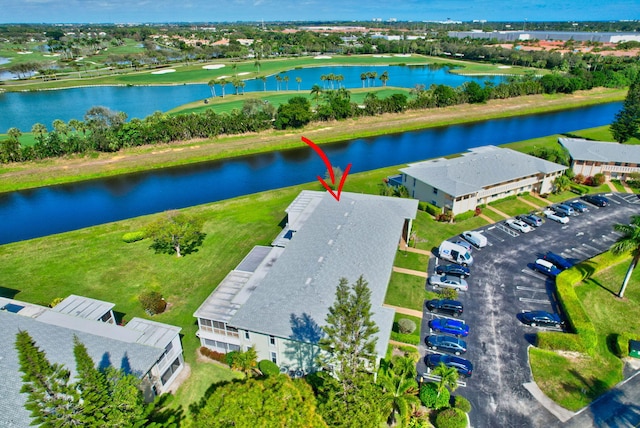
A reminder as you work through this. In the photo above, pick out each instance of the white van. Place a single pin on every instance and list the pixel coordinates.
(475, 238)
(455, 253)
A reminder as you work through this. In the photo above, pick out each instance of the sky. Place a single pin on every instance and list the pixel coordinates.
(142, 11)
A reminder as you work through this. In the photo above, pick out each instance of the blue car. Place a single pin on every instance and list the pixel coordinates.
(464, 367)
(578, 206)
(546, 267)
(449, 326)
(557, 260)
(447, 344)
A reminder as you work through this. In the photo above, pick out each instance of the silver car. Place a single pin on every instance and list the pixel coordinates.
(448, 281)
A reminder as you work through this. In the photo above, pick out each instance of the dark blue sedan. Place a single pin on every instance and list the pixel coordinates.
(557, 260)
(546, 267)
(449, 326)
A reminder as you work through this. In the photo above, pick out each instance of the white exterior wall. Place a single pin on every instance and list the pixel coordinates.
(610, 170)
(425, 192)
(288, 353)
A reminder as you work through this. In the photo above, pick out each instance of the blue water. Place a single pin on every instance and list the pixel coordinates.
(23, 109)
(39, 212)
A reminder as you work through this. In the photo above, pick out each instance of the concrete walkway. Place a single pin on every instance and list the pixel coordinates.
(405, 311)
(411, 272)
(497, 211)
(414, 250)
(395, 342)
(541, 199)
(489, 219)
(611, 186)
(626, 188)
(529, 203)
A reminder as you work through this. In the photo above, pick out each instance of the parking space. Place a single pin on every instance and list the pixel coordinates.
(503, 285)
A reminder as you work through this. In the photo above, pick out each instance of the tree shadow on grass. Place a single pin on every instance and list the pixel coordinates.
(8, 293)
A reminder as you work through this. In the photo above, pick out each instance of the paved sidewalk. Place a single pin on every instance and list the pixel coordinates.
(395, 342)
(497, 211)
(626, 188)
(414, 250)
(405, 311)
(410, 272)
(489, 219)
(529, 203)
(541, 199)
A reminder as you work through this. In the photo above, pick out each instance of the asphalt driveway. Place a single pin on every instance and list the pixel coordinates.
(502, 285)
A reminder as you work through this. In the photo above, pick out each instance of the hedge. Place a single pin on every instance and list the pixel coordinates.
(451, 418)
(429, 396)
(622, 342)
(432, 209)
(214, 355)
(268, 368)
(559, 341)
(462, 403)
(405, 338)
(133, 236)
(406, 326)
(464, 216)
(506, 198)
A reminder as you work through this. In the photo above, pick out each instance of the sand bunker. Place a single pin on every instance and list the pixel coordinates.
(504, 66)
(402, 55)
(244, 73)
(223, 77)
(322, 57)
(213, 66)
(169, 70)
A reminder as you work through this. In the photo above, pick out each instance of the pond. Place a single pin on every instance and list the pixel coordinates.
(44, 211)
(23, 109)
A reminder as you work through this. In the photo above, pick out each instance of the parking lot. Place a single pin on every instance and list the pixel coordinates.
(502, 285)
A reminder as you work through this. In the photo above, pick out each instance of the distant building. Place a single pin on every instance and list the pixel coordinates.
(482, 175)
(616, 161)
(150, 350)
(278, 297)
(578, 36)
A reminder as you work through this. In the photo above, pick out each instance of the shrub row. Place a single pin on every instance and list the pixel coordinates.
(464, 216)
(430, 208)
(405, 338)
(559, 341)
(133, 236)
(268, 368)
(214, 355)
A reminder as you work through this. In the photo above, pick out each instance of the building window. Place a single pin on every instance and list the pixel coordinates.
(170, 371)
(218, 328)
(272, 340)
(274, 357)
(246, 335)
(435, 191)
(414, 182)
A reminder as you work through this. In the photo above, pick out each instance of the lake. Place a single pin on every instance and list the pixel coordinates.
(44, 211)
(23, 109)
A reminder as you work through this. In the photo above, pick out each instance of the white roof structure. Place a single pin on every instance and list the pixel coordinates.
(599, 151)
(480, 168)
(83, 307)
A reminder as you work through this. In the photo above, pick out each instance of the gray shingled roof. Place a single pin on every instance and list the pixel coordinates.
(57, 342)
(356, 236)
(600, 151)
(481, 167)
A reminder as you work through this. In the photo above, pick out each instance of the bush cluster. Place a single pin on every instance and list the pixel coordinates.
(411, 339)
(462, 403)
(448, 293)
(214, 355)
(465, 216)
(133, 236)
(406, 326)
(451, 418)
(152, 302)
(429, 396)
(268, 368)
(431, 209)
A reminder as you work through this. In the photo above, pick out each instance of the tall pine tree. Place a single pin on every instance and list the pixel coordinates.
(52, 401)
(626, 124)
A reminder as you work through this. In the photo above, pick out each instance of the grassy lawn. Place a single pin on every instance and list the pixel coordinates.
(534, 201)
(202, 376)
(416, 320)
(574, 380)
(492, 214)
(408, 260)
(512, 207)
(431, 233)
(407, 291)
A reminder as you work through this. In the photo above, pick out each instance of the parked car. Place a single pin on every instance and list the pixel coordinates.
(597, 200)
(455, 253)
(475, 238)
(464, 367)
(542, 318)
(564, 209)
(449, 326)
(445, 306)
(531, 219)
(453, 269)
(546, 268)
(448, 281)
(578, 206)
(518, 225)
(555, 216)
(447, 344)
(557, 260)
(464, 244)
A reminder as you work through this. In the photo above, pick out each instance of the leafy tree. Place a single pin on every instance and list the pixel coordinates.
(51, 399)
(245, 361)
(384, 77)
(448, 377)
(561, 183)
(294, 114)
(275, 401)
(349, 344)
(627, 121)
(316, 91)
(628, 242)
(175, 232)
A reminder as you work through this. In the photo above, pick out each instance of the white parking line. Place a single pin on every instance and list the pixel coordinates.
(583, 253)
(533, 274)
(592, 247)
(535, 289)
(429, 376)
(608, 238)
(526, 300)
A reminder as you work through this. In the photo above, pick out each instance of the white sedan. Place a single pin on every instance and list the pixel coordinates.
(552, 215)
(518, 225)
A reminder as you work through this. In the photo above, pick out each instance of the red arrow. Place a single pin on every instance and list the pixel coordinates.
(325, 159)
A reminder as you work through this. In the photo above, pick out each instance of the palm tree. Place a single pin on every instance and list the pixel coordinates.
(448, 377)
(222, 83)
(628, 242)
(236, 83)
(339, 78)
(257, 64)
(316, 91)
(298, 81)
(331, 77)
(39, 129)
(384, 77)
(242, 85)
(234, 66)
(363, 77)
(278, 80)
(323, 78)
(212, 86)
(286, 81)
(399, 396)
(374, 74)
(264, 82)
